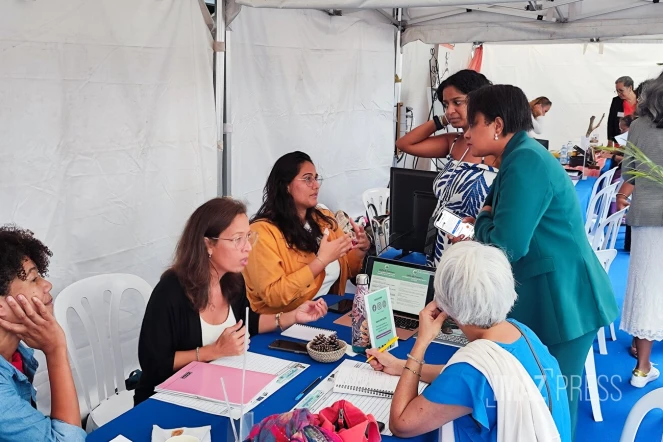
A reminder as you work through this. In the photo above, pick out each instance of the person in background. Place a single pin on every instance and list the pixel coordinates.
(197, 310)
(532, 212)
(474, 285)
(642, 314)
(540, 107)
(463, 179)
(26, 314)
(303, 253)
(622, 105)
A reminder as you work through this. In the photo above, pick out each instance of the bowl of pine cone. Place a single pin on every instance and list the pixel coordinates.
(326, 348)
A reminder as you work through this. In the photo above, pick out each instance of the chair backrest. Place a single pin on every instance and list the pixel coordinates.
(604, 180)
(376, 202)
(598, 207)
(102, 328)
(606, 257)
(605, 235)
(651, 401)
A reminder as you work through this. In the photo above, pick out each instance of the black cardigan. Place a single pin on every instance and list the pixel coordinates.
(616, 107)
(171, 324)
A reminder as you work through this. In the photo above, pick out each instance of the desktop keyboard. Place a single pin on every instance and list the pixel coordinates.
(452, 339)
(406, 323)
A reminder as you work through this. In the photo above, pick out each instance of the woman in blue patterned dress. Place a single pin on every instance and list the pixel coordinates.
(463, 180)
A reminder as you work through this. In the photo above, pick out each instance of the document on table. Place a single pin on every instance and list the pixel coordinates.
(284, 371)
(323, 396)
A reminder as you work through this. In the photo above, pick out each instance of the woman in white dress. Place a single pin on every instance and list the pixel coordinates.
(642, 315)
(540, 107)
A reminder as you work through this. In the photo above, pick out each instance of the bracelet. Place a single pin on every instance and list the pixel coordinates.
(438, 123)
(422, 362)
(623, 194)
(321, 261)
(278, 321)
(408, 368)
(198, 354)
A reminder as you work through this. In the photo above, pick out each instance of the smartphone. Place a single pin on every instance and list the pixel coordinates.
(449, 223)
(291, 346)
(341, 307)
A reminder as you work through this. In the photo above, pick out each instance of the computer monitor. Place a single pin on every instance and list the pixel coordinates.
(544, 143)
(411, 205)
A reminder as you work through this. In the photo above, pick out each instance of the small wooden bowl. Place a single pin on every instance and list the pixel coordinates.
(327, 357)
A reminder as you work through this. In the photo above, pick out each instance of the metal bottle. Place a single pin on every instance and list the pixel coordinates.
(360, 338)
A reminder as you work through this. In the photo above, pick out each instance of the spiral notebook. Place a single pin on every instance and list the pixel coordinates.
(354, 380)
(305, 332)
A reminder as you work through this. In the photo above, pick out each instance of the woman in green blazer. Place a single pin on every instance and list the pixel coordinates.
(532, 213)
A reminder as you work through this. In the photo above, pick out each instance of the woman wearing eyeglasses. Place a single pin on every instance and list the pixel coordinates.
(463, 180)
(302, 253)
(196, 312)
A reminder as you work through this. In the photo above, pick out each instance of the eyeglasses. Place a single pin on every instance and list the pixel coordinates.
(310, 178)
(456, 103)
(240, 241)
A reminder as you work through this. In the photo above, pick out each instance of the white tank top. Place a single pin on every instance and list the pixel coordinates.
(212, 332)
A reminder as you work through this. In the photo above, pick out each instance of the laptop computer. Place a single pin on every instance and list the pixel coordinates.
(410, 286)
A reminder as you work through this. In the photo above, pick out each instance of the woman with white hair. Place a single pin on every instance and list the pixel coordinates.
(503, 386)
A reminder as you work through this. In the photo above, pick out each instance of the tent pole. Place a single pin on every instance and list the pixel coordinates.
(222, 181)
(399, 58)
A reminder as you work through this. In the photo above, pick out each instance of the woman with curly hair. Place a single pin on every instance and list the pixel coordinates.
(26, 314)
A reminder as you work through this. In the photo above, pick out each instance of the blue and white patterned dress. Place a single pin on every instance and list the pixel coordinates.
(462, 190)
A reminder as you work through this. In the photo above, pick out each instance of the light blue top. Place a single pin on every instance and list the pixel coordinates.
(19, 419)
(462, 384)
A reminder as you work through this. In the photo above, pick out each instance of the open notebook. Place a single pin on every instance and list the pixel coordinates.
(305, 332)
(355, 380)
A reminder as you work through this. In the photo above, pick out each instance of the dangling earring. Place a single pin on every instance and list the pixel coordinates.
(209, 255)
(496, 137)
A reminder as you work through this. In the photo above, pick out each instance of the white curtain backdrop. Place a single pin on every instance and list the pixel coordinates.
(107, 134)
(302, 80)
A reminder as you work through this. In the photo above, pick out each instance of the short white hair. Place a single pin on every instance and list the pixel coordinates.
(474, 284)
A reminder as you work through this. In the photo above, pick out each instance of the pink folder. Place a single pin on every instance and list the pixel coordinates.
(203, 380)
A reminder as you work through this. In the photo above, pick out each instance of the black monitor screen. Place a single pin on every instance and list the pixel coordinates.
(543, 143)
(408, 220)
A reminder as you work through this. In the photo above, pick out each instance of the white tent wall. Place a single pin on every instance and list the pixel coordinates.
(578, 79)
(304, 80)
(107, 133)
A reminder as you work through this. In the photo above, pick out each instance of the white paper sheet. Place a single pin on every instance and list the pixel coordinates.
(284, 371)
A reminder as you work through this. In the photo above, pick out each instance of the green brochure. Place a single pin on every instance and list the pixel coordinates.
(380, 318)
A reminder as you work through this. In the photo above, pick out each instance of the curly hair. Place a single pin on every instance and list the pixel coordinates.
(465, 81)
(16, 246)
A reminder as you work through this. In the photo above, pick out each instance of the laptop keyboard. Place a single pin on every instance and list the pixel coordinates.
(406, 323)
(452, 339)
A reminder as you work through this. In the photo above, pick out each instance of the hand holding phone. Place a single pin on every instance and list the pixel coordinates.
(453, 225)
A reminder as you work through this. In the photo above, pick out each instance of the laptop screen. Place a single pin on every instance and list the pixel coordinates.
(410, 285)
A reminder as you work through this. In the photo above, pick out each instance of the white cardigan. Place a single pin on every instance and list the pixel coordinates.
(522, 413)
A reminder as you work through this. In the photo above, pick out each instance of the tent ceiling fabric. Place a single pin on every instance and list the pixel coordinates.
(460, 21)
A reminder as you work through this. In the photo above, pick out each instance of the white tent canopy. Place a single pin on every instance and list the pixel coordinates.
(458, 21)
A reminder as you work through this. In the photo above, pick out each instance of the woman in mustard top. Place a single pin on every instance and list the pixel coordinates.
(302, 252)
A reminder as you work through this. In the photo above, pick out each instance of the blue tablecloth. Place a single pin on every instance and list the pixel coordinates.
(137, 423)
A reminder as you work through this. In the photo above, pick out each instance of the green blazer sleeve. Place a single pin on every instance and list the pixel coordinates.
(528, 192)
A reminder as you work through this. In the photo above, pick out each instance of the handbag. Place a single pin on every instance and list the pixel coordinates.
(341, 422)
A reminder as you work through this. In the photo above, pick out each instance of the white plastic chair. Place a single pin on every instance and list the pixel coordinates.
(606, 257)
(376, 202)
(605, 235)
(650, 401)
(599, 206)
(102, 328)
(446, 433)
(592, 386)
(604, 180)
